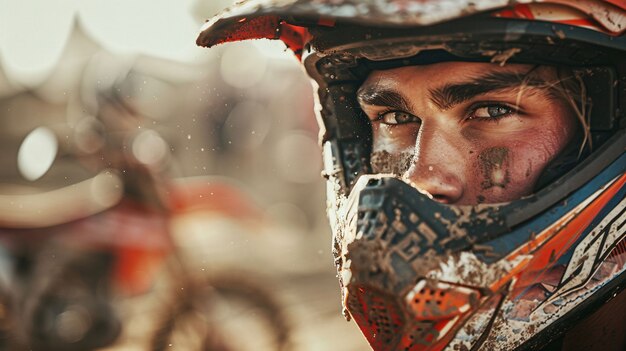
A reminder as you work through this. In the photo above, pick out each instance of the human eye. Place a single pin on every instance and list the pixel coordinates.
(491, 111)
(397, 117)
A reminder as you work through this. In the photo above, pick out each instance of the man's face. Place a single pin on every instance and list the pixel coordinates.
(467, 133)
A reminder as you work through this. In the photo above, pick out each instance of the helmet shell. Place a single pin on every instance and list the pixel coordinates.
(256, 19)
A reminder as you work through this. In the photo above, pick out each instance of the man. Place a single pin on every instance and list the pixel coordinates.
(474, 152)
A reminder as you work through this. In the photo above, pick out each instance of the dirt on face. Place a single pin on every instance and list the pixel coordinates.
(396, 163)
(494, 164)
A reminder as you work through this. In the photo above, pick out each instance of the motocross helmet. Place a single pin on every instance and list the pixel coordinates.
(416, 274)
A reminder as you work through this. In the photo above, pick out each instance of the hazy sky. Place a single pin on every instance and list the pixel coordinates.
(33, 32)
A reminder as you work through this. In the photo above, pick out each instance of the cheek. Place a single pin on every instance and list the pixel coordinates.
(506, 173)
(393, 148)
(499, 175)
(386, 162)
(495, 166)
(533, 155)
(535, 148)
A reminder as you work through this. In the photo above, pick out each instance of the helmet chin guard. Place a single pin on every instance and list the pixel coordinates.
(419, 275)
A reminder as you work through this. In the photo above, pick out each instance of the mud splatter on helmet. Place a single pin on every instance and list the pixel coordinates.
(420, 275)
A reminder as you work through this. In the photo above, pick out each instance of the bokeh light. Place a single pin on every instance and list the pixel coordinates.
(37, 153)
(149, 148)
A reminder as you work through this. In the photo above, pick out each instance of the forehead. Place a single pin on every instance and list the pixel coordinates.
(442, 73)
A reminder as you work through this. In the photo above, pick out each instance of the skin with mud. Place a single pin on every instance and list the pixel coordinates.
(494, 164)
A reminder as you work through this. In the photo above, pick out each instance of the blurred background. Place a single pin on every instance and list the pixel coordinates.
(156, 195)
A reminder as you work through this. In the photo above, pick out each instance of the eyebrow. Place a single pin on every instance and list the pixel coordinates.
(372, 95)
(445, 97)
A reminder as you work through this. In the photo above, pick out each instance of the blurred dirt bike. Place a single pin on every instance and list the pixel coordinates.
(69, 254)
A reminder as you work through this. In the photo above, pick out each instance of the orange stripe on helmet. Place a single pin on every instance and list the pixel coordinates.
(523, 11)
(619, 3)
(566, 235)
(580, 22)
(295, 37)
(603, 16)
(563, 240)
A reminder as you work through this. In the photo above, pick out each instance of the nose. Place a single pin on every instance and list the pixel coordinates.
(437, 167)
